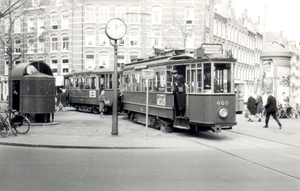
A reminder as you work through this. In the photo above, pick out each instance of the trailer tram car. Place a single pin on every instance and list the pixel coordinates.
(83, 89)
(208, 94)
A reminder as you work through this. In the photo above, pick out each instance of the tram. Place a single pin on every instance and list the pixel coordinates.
(83, 89)
(206, 101)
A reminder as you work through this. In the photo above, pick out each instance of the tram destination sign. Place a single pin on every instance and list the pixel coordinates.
(212, 48)
(147, 74)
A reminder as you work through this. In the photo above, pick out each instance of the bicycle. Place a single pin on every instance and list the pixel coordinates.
(285, 111)
(17, 121)
(5, 127)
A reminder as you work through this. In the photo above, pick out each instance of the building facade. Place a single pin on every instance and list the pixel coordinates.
(70, 35)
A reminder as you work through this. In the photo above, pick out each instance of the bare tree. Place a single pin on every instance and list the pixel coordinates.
(182, 26)
(9, 6)
(12, 13)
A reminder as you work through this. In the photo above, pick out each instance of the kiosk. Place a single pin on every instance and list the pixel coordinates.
(33, 91)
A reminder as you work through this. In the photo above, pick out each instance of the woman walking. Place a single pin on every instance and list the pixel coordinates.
(102, 99)
(251, 107)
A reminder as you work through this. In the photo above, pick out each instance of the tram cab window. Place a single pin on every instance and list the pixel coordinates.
(222, 78)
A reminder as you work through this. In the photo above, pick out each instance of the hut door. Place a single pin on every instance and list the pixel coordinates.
(16, 95)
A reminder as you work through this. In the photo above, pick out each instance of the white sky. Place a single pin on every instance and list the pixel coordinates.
(281, 15)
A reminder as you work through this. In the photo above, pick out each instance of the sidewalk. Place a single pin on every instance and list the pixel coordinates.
(73, 129)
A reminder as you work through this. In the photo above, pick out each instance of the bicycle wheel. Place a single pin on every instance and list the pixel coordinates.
(4, 130)
(289, 113)
(12, 128)
(22, 125)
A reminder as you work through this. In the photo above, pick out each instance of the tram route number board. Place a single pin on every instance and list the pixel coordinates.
(147, 74)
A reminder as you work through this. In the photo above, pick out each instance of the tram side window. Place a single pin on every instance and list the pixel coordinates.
(80, 83)
(71, 83)
(136, 85)
(87, 83)
(108, 81)
(101, 82)
(160, 81)
(207, 77)
(169, 81)
(93, 83)
(126, 82)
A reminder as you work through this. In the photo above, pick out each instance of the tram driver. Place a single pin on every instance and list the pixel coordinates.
(179, 93)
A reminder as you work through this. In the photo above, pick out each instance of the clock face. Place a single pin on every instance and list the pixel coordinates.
(115, 28)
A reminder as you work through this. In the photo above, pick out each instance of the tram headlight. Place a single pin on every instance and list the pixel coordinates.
(223, 112)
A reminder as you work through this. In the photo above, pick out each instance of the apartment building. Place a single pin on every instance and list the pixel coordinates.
(69, 35)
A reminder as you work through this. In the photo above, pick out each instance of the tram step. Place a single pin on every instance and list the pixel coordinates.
(181, 124)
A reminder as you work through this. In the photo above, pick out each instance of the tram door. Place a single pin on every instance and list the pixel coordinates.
(16, 95)
(179, 81)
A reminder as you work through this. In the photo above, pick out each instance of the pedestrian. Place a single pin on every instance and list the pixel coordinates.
(251, 107)
(271, 108)
(102, 99)
(63, 99)
(259, 106)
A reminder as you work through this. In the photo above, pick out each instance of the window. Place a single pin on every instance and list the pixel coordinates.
(17, 26)
(54, 44)
(65, 20)
(189, 15)
(65, 65)
(18, 46)
(30, 24)
(54, 21)
(134, 14)
(6, 67)
(103, 39)
(41, 45)
(90, 38)
(156, 15)
(53, 65)
(133, 56)
(65, 43)
(40, 25)
(89, 61)
(121, 59)
(103, 13)
(120, 12)
(156, 38)
(90, 13)
(35, 2)
(103, 60)
(30, 45)
(134, 37)
(189, 40)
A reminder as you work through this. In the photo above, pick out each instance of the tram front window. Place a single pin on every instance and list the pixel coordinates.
(222, 78)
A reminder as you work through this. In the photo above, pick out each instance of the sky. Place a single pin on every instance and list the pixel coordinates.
(280, 15)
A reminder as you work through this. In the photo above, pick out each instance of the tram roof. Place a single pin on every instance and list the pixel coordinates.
(95, 71)
(174, 60)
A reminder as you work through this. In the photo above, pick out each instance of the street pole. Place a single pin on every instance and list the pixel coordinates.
(115, 87)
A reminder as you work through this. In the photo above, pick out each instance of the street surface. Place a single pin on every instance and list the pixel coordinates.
(248, 157)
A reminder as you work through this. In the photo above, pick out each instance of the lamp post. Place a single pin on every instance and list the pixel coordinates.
(115, 30)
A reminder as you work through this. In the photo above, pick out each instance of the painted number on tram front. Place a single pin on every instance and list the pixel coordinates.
(223, 102)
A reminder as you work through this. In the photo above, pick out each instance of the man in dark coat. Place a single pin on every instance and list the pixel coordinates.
(271, 108)
(179, 93)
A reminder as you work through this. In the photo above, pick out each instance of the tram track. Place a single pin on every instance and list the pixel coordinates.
(206, 140)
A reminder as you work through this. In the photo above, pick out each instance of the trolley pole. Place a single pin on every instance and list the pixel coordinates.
(114, 130)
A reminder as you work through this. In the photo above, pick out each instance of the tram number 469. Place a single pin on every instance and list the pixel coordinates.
(223, 102)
